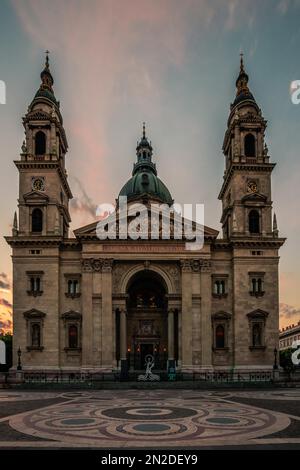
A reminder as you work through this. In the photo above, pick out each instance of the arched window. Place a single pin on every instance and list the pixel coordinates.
(35, 335)
(254, 221)
(256, 334)
(37, 220)
(40, 143)
(249, 144)
(73, 336)
(220, 336)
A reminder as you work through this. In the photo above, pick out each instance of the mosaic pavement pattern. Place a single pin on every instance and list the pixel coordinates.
(148, 419)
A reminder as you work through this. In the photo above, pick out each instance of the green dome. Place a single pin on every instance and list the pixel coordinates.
(46, 94)
(146, 182)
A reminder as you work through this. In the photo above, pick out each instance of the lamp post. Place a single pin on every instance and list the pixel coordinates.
(19, 367)
(275, 366)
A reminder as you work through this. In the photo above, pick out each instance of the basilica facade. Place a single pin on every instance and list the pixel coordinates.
(82, 304)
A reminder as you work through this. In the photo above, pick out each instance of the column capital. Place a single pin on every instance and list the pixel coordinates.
(107, 265)
(87, 265)
(205, 265)
(96, 265)
(195, 265)
(186, 265)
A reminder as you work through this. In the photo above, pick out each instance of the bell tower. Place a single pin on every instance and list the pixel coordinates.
(44, 191)
(246, 190)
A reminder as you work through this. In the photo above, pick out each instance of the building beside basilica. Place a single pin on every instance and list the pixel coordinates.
(85, 304)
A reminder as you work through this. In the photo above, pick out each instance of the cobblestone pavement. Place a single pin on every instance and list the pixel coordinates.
(150, 419)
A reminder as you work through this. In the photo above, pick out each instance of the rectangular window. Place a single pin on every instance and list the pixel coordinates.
(256, 284)
(220, 285)
(34, 282)
(72, 285)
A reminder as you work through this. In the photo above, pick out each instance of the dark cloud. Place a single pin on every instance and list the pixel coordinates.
(4, 282)
(83, 203)
(5, 324)
(288, 312)
(6, 303)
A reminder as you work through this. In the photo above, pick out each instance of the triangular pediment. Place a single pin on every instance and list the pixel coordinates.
(71, 315)
(258, 313)
(36, 196)
(221, 315)
(91, 229)
(34, 313)
(254, 197)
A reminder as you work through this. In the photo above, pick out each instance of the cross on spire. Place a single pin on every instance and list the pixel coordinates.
(47, 58)
(144, 130)
(242, 61)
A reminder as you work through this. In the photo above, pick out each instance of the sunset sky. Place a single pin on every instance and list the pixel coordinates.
(173, 64)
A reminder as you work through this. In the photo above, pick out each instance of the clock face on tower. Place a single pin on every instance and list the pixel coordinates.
(252, 187)
(38, 184)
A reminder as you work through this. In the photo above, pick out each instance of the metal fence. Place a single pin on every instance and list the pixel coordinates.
(115, 376)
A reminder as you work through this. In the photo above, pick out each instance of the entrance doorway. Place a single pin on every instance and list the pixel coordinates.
(147, 320)
(146, 348)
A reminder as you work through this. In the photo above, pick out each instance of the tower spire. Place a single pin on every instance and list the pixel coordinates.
(47, 59)
(46, 76)
(144, 153)
(242, 70)
(242, 80)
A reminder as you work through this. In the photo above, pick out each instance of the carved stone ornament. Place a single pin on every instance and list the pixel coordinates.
(97, 265)
(107, 265)
(186, 265)
(195, 265)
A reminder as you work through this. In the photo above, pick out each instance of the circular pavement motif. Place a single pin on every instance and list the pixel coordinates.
(139, 422)
(135, 413)
(26, 396)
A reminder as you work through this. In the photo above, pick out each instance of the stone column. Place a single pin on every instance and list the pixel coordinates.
(123, 344)
(87, 313)
(123, 335)
(206, 325)
(171, 358)
(186, 315)
(107, 314)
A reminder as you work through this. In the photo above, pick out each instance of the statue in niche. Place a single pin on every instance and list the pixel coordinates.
(24, 148)
(152, 301)
(139, 301)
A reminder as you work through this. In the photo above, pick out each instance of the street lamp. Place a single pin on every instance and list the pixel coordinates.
(19, 367)
(275, 366)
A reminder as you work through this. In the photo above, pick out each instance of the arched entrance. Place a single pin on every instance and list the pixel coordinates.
(147, 320)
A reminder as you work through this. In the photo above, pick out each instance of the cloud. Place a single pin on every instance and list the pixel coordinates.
(5, 303)
(116, 55)
(82, 202)
(4, 282)
(284, 5)
(5, 324)
(289, 313)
